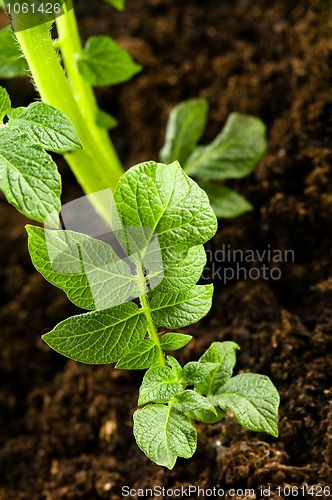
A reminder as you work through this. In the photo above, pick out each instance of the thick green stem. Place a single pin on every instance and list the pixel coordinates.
(70, 46)
(94, 167)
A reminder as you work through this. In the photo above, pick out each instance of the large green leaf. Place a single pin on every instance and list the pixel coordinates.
(46, 126)
(163, 434)
(176, 310)
(87, 269)
(12, 62)
(29, 177)
(225, 202)
(99, 337)
(5, 103)
(234, 153)
(253, 399)
(159, 385)
(223, 354)
(185, 127)
(104, 62)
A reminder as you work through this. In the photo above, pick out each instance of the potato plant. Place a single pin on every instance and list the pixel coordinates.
(140, 289)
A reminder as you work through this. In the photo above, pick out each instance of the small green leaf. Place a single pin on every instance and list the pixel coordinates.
(189, 400)
(105, 120)
(29, 177)
(194, 371)
(233, 154)
(99, 337)
(176, 310)
(207, 416)
(12, 62)
(117, 4)
(173, 341)
(5, 104)
(175, 366)
(159, 385)
(86, 269)
(46, 126)
(104, 62)
(225, 202)
(140, 357)
(185, 127)
(254, 401)
(223, 354)
(163, 434)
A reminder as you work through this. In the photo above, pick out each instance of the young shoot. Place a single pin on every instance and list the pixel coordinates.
(161, 218)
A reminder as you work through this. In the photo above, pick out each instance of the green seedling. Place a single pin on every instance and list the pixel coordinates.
(64, 73)
(233, 154)
(161, 218)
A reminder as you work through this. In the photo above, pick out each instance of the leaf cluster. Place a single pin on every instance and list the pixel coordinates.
(233, 154)
(200, 391)
(160, 218)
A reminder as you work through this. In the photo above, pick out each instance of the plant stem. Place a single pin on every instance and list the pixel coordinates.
(153, 334)
(94, 167)
(70, 46)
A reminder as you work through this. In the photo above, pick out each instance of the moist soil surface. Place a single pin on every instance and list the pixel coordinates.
(66, 428)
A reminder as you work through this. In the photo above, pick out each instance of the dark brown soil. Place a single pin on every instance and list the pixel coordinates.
(66, 429)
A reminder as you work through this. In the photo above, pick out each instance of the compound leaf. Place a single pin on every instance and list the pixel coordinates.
(29, 177)
(163, 434)
(159, 385)
(47, 126)
(253, 399)
(86, 269)
(185, 127)
(12, 62)
(99, 337)
(104, 62)
(234, 153)
(225, 202)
